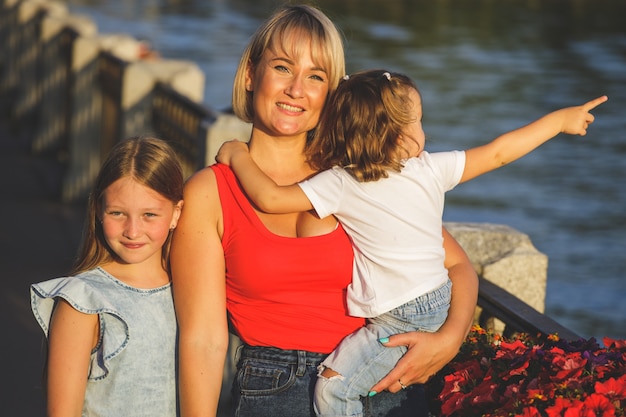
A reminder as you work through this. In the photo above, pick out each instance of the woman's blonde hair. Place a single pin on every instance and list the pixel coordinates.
(366, 116)
(288, 29)
(149, 161)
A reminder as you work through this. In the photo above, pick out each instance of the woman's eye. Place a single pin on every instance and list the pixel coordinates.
(281, 68)
(317, 77)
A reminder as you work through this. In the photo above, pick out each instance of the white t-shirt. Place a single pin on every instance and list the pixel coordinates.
(395, 225)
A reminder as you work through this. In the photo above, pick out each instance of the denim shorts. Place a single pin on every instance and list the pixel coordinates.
(272, 382)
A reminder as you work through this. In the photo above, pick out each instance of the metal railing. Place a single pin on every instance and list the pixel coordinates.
(516, 314)
(184, 123)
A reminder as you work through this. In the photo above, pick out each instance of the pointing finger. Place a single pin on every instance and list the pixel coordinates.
(590, 105)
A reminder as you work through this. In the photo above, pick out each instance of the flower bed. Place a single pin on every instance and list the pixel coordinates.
(532, 377)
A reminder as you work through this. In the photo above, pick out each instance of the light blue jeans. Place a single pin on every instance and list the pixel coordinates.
(361, 360)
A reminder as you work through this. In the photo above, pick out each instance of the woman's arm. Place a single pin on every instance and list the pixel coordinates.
(71, 338)
(198, 278)
(429, 352)
(268, 196)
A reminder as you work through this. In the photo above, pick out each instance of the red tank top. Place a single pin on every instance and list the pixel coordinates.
(283, 292)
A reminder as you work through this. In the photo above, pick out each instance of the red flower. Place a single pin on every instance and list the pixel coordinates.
(568, 367)
(575, 411)
(484, 393)
(614, 389)
(615, 344)
(529, 412)
(562, 406)
(511, 349)
(452, 403)
(597, 405)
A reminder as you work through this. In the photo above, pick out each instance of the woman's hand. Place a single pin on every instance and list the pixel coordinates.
(427, 354)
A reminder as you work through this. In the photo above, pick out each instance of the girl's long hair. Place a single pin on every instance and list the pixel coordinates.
(150, 162)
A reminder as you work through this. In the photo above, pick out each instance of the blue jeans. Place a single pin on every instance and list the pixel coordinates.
(272, 382)
(361, 360)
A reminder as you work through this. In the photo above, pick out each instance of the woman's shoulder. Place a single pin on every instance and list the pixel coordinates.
(201, 188)
(202, 177)
(201, 184)
(202, 206)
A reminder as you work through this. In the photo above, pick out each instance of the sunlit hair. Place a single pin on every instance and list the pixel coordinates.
(289, 30)
(369, 111)
(149, 161)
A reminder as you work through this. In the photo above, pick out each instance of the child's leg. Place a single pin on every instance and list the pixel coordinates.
(352, 369)
(360, 361)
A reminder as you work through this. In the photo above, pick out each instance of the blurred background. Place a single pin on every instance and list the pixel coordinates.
(483, 67)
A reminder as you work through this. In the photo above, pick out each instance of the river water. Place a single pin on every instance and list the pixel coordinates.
(483, 68)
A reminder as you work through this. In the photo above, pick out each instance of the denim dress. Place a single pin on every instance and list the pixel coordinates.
(132, 371)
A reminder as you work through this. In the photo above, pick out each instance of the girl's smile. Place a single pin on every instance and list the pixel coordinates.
(136, 221)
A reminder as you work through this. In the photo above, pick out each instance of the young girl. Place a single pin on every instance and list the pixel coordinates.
(111, 326)
(388, 193)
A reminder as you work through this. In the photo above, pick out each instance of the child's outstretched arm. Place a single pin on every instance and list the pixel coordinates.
(266, 194)
(517, 143)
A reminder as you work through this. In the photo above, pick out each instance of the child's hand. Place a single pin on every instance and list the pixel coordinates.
(229, 149)
(577, 119)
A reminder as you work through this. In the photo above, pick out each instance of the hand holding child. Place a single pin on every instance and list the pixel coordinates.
(229, 149)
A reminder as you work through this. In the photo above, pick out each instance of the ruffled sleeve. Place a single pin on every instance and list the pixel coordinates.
(84, 294)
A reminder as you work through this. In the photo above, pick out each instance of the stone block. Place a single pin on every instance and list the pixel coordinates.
(226, 127)
(141, 76)
(507, 258)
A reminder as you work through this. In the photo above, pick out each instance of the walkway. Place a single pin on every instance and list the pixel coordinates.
(38, 239)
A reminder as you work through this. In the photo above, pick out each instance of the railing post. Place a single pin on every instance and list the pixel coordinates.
(184, 124)
(9, 33)
(226, 127)
(22, 67)
(58, 34)
(139, 81)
